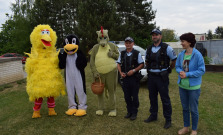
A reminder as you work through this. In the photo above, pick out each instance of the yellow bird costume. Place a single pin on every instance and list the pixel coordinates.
(44, 78)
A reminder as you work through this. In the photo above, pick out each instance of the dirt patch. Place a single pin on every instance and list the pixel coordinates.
(13, 87)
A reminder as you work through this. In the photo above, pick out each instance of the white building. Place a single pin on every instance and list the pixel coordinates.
(200, 37)
(177, 47)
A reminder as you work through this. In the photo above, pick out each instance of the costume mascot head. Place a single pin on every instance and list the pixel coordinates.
(74, 61)
(103, 65)
(44, 78)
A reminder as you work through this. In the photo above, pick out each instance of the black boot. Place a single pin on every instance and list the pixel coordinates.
(133, 117)
(167, 124)
(128, 115)
(150, 119)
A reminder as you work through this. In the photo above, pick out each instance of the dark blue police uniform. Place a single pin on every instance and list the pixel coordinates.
(130, 85)
(158, 59)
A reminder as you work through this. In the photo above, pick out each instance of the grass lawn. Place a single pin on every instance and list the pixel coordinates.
(16, 112)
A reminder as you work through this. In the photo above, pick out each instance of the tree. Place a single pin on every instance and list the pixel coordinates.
(209, 35)
(168, 35)
(5, 36)
(219, 31)
(16, 30)
(122, 18)
(136, 20)
(59, 14)
(83, 18)
(91, 16)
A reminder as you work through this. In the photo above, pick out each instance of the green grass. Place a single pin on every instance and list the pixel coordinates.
(5, 86)
(16, 112)
(21, 81)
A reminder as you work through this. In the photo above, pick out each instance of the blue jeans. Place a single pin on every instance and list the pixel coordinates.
(189, 101)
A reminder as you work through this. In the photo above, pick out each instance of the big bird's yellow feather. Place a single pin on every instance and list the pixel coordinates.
(44, 77)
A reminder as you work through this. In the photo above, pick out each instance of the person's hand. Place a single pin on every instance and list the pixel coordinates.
(96, 75)
(130, 73)
(182, 74)
(123, 75)
(110, 53)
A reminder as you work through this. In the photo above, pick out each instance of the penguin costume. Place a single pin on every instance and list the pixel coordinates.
(74, 62)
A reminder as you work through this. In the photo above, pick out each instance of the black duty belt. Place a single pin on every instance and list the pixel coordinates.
(158, 73)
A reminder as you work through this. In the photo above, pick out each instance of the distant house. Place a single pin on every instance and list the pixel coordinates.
(176, 46)
(200, 37)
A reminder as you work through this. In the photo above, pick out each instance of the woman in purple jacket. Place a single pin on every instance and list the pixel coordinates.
(190, 67)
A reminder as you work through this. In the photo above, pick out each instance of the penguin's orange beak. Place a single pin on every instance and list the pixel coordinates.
(70, 48)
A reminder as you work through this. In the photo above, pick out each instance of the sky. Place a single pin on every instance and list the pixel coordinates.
(5, 8)
(196, 16)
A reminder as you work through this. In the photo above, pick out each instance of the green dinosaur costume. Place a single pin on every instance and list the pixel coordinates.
(103, 65)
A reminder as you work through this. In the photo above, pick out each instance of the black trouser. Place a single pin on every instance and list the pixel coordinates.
(157, 83)
(131, 90)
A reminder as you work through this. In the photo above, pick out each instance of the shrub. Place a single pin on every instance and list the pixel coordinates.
(207, 60)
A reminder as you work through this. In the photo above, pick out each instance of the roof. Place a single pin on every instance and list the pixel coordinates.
(174, 44)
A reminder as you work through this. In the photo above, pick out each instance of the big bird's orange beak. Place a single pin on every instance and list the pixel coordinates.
(46, 40)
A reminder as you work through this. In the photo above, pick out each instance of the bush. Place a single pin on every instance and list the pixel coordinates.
(207, 60)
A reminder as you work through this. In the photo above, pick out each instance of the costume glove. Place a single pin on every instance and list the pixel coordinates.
(110, 53)
(96, 75)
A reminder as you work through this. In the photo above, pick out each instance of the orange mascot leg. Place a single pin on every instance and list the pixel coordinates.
(51, 105)
(37, 107)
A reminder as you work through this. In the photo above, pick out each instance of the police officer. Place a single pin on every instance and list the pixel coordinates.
(158, 65)
(129, 63)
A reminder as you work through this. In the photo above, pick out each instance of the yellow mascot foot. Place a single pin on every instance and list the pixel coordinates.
(99, 112)
(112, 113)
(71, 111)
(51, 112)
(80, 112)
(36, 114)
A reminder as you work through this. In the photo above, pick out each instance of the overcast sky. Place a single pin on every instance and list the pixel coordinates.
(4, 8)
(196, 16)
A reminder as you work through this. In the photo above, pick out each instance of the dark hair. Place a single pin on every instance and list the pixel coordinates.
(189, 37)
